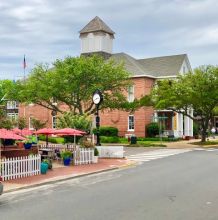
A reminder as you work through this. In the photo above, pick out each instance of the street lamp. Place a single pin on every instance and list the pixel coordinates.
(97, 98)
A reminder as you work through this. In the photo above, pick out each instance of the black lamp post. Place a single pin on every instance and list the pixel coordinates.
(97, 99)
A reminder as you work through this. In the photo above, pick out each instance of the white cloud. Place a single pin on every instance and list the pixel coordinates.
(48, 29)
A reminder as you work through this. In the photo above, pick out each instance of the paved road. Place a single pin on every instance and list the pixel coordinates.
(177, 187)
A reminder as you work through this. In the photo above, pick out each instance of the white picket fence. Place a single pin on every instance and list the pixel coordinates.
(59, 147)
(111, 151)
(83, 156)
(18, 167)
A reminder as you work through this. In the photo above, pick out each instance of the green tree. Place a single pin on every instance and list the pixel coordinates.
(72, 82)
(37, 124)
(196, 90)
(69, 120)
(21, 123)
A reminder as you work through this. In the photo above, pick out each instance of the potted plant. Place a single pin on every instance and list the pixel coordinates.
(49, 162)
(44, 168)
(66, 156)
(96, 154)
(27, 144)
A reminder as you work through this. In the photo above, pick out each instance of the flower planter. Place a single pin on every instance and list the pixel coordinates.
(44, 168)
(27, 146)
(20, 144)
(67, 161)
(95, 159)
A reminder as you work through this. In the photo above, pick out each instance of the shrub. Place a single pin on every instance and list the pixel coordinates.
(107, 131)
(55, 140)
(105, 139)
(195, 129)
(66, 154)
(152, 129)
(96, 153)
(86, 144)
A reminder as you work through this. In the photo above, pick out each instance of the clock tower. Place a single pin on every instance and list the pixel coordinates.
(96, 37)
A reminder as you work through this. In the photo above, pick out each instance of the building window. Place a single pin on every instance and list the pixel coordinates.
(12, 116)
(31, 123)
(131, 125)
(12, 105)
(131, 94)
(54, 121)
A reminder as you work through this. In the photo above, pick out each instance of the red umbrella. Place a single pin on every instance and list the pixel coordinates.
(46, 131)
(6, 134)
(70, 132)
(24, 132)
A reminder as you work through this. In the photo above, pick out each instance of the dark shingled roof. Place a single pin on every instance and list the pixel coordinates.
(163, 66)
(152, 67)
(130, 64)
(96, 24)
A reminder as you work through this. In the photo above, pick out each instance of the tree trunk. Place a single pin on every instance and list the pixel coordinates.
(204, 129)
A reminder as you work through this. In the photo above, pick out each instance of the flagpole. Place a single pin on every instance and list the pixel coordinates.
(24, 68)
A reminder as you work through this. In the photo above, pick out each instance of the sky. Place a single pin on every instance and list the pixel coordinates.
(46, 30)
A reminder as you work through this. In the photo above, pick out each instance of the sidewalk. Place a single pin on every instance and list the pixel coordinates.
(60, 172)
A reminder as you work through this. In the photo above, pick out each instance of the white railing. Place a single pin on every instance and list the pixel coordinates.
(110, 151)
(59, 147)
(83, 156)
(18, 167)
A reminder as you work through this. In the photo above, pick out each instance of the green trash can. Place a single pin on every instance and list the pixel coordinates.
(133, 140)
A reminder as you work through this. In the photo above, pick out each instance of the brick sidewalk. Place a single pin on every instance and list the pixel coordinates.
(61, 173)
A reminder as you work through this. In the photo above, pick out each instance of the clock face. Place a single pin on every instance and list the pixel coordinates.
(96, 98)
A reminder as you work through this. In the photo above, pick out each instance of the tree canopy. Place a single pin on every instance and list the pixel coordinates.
(72, 82)
(197, 90)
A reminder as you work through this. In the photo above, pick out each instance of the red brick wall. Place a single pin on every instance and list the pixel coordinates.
(37, 112)
(143, 116)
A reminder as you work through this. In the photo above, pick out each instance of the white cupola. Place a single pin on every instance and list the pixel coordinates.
(96, 36)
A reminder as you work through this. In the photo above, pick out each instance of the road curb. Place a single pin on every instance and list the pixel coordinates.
(49, 182)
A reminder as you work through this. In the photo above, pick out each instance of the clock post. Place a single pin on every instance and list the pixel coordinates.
(97, 99)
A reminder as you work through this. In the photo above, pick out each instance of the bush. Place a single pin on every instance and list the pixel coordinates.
(55, 140)
(107, 131)
(96, 153)
(195, 129)
(157, 139)
(86, 144)
(105, 139)
(66, 154)
(152, 129)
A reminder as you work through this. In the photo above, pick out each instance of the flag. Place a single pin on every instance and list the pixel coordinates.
(24, 62)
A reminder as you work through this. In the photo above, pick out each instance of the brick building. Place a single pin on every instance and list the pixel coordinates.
(97, 37)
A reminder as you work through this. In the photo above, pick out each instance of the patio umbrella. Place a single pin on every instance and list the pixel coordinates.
(70, 132)
(46, 131)
(6, 134)
(24, 132)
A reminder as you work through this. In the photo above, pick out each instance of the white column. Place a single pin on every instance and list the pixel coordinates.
(186, 125)
(180, 124)
(191, 123)
(155, 119)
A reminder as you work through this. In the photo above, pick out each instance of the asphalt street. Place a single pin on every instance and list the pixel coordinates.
(177, 187)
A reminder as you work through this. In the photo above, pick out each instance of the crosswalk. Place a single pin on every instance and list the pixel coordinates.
(157, 154)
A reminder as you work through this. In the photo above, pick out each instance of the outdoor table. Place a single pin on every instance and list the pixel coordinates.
(46, 153)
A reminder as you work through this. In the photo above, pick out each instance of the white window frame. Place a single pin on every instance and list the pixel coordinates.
(12, 105)
(54, 121)
(131, 127)
(30, 123)
(131, 93)
(12, 116)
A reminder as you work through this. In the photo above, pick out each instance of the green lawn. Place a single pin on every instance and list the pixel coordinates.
(206, 143)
